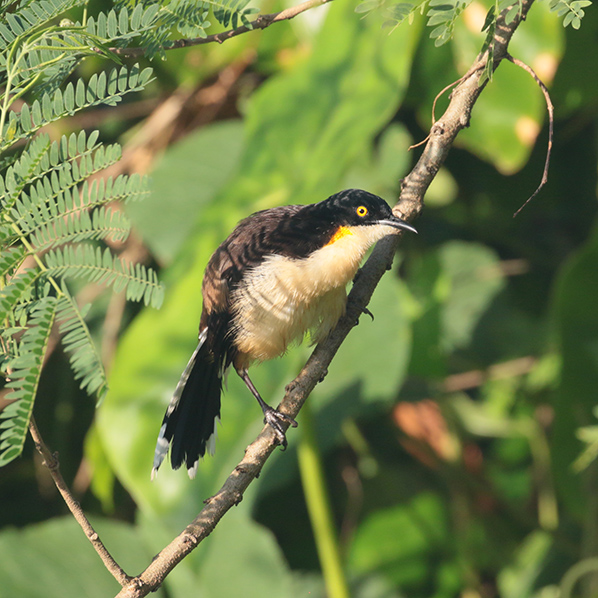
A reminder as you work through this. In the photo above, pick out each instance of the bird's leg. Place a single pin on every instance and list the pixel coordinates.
(271, 415)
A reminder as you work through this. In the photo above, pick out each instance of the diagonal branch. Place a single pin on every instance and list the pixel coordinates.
(410, 205)
(260, 22)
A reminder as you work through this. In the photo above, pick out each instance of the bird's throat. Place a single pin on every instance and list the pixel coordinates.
(341, 232)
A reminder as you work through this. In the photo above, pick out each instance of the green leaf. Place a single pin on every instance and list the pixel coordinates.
(16, 291)
(80, 94)
(193, 182)
(367, 6)
(101, 223)
(24, 379)
(150, 14)
(513, 12)
(53, 209)
(523, 576)
(421, 523)
(65, 563)
(24, 169)
(123, 20)
(81, 97)
(399, 12)
(451, 288)
(244, 560)
(10, 259)
(136, 16)
(473, 278)
(84, 358)
(229, 12)
(575, 322)
(360, 375)
(101, 267)
(572, 11)
(304, 160)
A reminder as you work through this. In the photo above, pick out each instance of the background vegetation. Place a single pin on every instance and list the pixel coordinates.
(449, 428)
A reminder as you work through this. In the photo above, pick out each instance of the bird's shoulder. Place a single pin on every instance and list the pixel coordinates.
(285, 230)
(252, 240)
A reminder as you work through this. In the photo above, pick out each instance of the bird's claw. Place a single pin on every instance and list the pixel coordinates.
(366, 311)
(276, 419)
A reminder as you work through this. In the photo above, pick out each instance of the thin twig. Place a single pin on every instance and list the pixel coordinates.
(438, 96)
(260, 22)
(550, 109)
(413, 188)
(51, 462)
(498, 371)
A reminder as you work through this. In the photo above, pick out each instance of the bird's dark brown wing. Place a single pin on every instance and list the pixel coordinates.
(261, 234)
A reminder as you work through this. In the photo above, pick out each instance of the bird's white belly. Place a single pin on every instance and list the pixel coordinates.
(282, 298)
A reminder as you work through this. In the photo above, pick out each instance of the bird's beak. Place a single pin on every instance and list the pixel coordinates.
(397, 223)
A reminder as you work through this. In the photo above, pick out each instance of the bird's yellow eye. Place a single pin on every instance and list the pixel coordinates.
(361, 211)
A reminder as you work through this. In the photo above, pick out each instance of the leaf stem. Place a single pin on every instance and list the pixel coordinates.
(33, 253)
(318, 506)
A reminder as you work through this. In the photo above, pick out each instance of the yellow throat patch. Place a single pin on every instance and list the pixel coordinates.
(342, 231)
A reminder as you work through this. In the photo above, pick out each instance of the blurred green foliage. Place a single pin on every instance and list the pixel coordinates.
(449, 424)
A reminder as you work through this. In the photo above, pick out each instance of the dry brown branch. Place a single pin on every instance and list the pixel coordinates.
(499, 371)
(409, 207)
(51, 462)
(438, 96)
(550, 109)
(261, 22)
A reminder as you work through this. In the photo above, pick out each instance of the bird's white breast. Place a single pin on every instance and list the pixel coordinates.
(282, 298)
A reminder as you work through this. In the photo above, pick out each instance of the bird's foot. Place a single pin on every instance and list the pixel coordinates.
(276, 419)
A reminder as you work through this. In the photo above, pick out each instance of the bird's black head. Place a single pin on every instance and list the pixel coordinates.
(299, 231)
(355, 207)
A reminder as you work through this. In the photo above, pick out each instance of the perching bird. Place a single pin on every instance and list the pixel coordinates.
(280, 273)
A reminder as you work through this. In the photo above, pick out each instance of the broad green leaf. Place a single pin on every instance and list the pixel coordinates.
(54, 559)
(520, 578)
(242, 559)
(102, 478)
(189, 174)
(451, 288)
(472, 277)
(379, 169)
(371, 364)
(575, 321)
(305, 121)
(400, 541)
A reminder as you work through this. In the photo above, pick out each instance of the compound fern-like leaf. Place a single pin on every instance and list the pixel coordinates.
(25, 371)
(83, 356)
(95, 265)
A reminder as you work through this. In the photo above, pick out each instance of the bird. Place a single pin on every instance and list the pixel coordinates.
(281, 273)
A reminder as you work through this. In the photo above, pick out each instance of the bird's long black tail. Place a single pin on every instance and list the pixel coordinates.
(189, 425)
